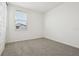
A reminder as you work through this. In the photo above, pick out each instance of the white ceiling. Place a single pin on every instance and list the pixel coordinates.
(38, 6)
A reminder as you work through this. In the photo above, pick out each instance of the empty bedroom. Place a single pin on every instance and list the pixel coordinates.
(39, 28)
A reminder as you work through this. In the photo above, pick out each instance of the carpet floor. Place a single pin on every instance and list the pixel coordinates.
(39, 47)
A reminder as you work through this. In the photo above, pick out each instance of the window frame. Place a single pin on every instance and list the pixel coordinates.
(26, 20)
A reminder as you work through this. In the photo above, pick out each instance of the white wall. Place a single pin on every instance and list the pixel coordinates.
(62, 24)
(3, 14)
(34, 28)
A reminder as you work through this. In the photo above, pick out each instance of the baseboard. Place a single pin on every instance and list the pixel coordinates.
(24, 40)
(50, 39)
(75, 46)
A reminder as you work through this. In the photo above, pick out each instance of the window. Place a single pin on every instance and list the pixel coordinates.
(21, 20)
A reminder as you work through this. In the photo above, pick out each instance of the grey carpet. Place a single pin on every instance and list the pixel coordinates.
(39, 47)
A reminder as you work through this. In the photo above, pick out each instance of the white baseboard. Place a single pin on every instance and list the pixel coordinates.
(63, 42)
(72, 45)
(24, 39)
